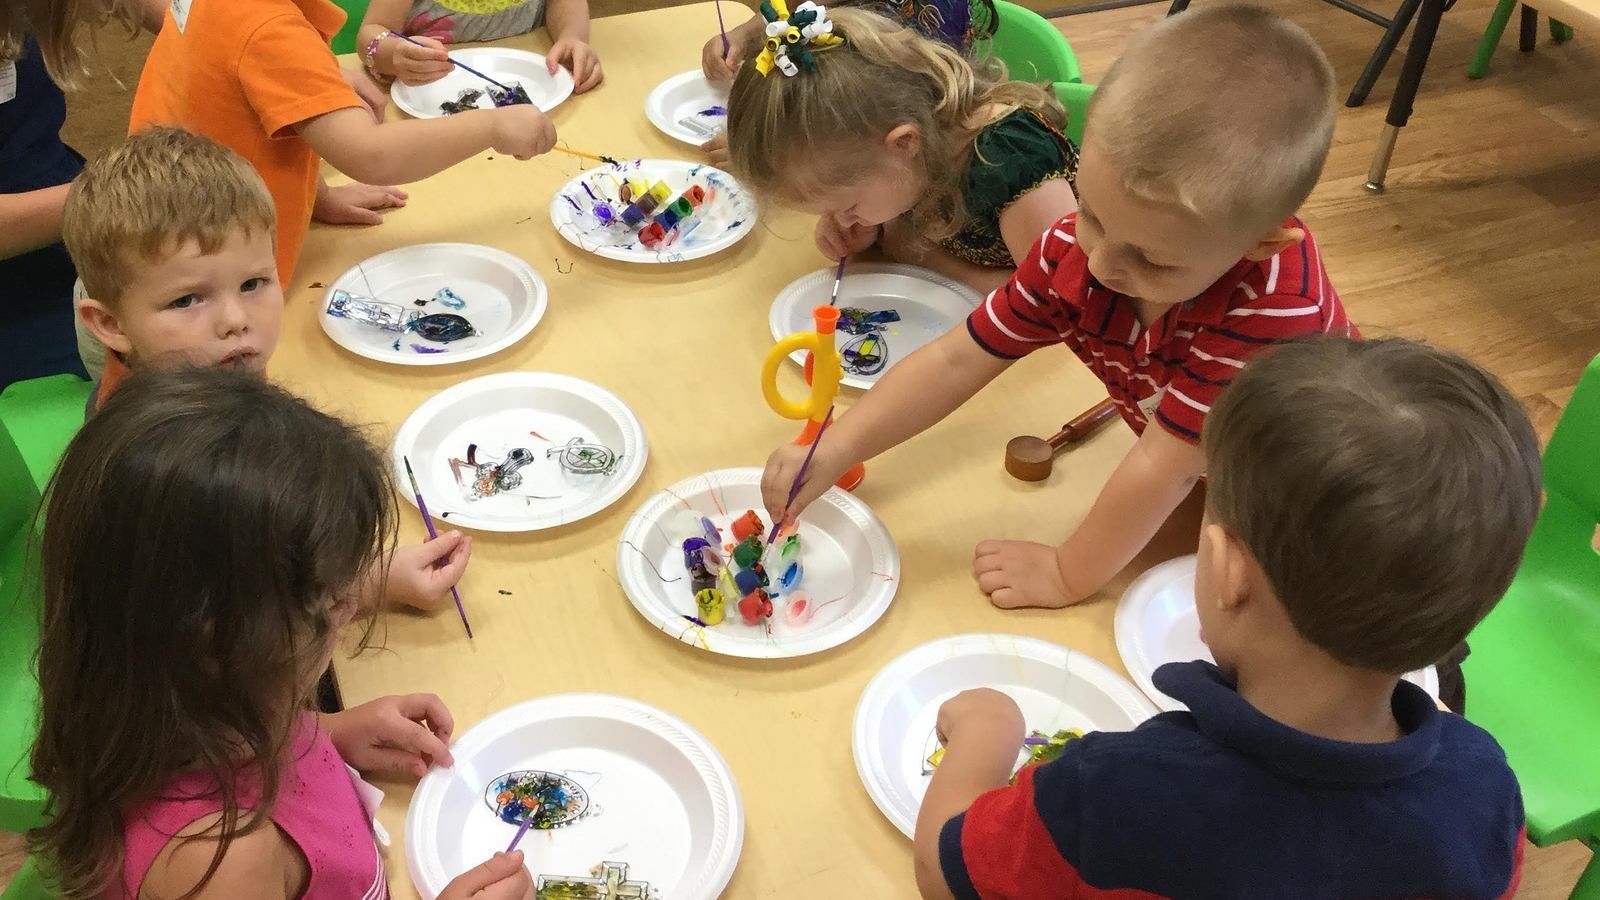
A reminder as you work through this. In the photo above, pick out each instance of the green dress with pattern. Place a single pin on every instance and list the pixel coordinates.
(1010, 158)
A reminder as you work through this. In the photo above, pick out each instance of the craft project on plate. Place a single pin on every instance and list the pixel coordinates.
(548, 799)
(653, 210)
(469, 97)
(1039, 747)
(867, 353)
(606, 881)
(489, 477)
(438, 329)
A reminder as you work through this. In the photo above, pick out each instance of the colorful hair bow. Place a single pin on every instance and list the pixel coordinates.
(792, 36)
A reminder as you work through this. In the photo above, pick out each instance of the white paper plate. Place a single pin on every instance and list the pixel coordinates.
(929, 305)
(689, 108)
(1055, 687)
(728, 214)
(846, 553)
(503, 64)
(538, 411)
(1156, 624)
(663, 800)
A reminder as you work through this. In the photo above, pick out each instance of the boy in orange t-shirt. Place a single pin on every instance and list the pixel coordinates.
(259, 77)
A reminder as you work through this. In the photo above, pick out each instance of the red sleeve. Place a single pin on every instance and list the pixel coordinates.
(1013, 320)
(1000, 849)
(289, 74)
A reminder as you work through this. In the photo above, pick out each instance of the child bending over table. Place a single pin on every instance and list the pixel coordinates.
(1183, 262)
(937, 163)
(434, 23)
(172, 234)
(1368, 505)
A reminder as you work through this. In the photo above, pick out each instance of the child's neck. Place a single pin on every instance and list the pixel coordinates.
(1313, 693)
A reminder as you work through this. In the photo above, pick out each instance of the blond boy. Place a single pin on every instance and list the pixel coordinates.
(1183, 261)
(173, 236)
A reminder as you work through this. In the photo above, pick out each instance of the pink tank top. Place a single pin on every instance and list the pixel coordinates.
(317, 807)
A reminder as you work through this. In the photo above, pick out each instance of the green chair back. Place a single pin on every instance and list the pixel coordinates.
(345, 40)
(28, 884)
(1031, 48)
(1534, 673)
(1074, 96)
(37, 419)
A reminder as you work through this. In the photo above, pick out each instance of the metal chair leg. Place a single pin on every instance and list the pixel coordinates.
(1530, 29)
(1380, 55)
(1405, 92)
(1177, 6)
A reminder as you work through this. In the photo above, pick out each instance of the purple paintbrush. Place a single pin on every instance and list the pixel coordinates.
(433, 536)
(722, 27)
(800, 476)
(521, 830)
(838, 279)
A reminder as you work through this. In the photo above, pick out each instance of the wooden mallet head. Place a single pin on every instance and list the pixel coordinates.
(1030, 458)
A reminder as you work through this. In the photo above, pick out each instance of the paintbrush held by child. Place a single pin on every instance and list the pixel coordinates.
(940, 163)
(431, 24)
(1183, 261)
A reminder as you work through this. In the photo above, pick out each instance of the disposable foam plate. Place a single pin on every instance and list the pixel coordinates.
(726, 216)
(929, 305)
(851, 567)
(1156, 624)
(662, 800)
(505, 298)
(538, 411)
(1056, 688)
(503, 64)
(689, 108)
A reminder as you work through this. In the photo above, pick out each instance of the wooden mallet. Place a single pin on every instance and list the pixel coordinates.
(1029, 458)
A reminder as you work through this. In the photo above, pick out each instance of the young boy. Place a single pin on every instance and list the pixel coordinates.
(1182, 262)
(172, 235)
(1368, 505)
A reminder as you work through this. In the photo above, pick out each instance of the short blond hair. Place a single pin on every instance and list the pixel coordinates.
(1226, 111)
(154, 191)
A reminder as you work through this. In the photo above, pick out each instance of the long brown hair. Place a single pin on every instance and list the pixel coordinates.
(201, 537)
(884, 75)
(55, 24)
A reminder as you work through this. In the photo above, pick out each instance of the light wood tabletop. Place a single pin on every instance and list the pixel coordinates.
(664, 338)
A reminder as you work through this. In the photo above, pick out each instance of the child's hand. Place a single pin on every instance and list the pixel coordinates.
(981, 713)
(836, 239)
(827, 465)
(578, 56)
(370, 92)
(355, 203)
(522, 131)
(1017, 574)
(501, 877)
(716, 150)
(420, 65)
(716, 65)
(421, 575)
(394, 735)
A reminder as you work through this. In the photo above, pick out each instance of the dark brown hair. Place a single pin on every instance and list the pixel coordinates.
(1386, 488)
(884, 75)
(201, 537)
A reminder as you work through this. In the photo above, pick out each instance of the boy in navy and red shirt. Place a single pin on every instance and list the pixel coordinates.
(1367, 504)
(1183, 261)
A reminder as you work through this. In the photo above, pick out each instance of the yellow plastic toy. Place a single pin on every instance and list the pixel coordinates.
(824, 370)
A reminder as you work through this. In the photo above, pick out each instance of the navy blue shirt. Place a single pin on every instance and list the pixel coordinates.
(36, 333)
(1223, 801)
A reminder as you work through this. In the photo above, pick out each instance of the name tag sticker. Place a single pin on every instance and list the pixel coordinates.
(8, 82)
(180, 12)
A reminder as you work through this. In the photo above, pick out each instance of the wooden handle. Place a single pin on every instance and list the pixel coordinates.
(1085, 424)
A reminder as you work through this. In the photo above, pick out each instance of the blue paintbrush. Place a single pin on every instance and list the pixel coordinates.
(458, 64)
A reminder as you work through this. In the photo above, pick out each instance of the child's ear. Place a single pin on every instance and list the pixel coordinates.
(1230, 562)
(904, 140)
(103, 323)
(1276, 241)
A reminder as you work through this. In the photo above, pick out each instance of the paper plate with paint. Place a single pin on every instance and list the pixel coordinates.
(689, 108)
(461, 90)
(623, 800)
(1063, 695)
(653, 211)
(887, 310)
(1156, 623)
(434, 304)
(520, 451)
(697, 565)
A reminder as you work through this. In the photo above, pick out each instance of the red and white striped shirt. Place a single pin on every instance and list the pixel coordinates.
(1175, 369)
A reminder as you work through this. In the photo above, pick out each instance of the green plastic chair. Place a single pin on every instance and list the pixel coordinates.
(28, 885)
(345, 40)
(1075, 97)
(37, 419)
(1534, 672)
(1031, 48)
(1479, 66)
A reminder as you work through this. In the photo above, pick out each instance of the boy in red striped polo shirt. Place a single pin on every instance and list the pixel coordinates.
(1183, 261)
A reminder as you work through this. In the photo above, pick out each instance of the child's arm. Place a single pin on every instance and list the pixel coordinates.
(982, 731)
(919, 391)
(31, 219)
(1146, 487)
(396, 58)
(568, 21)
(413, 149)
(1034, 213)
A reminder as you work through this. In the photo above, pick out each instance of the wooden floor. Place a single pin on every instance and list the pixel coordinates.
(1487, 242)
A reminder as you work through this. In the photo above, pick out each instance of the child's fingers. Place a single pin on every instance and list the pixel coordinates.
(429, 708)
(496, 868)
(414, 740)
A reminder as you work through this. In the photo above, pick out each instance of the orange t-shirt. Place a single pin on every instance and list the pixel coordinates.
(244, 73)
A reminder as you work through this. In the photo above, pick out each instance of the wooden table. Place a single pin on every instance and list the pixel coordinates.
(646, 333)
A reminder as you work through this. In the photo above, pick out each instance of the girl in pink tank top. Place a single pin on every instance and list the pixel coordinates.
(204, 539)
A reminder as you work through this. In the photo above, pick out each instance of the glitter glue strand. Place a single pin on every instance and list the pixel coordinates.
(651, 564)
